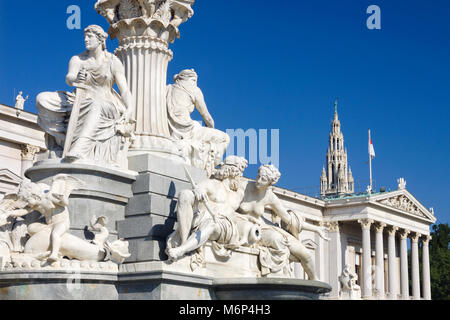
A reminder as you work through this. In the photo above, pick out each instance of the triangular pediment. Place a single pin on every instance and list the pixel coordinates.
(402, 200)
(9, 177)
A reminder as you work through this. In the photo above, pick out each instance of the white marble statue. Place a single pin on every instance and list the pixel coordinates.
(100, 116)
(401, 184)
(203, 147)
(278, 245)
(207, 213)
(50, 241)
(349, 289)
(228, 211)
(20, 101)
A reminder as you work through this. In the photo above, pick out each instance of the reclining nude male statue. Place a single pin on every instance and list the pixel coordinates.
(240, 204)
(208, 211)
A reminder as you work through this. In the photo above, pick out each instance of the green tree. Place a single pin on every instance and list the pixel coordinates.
(440, 262)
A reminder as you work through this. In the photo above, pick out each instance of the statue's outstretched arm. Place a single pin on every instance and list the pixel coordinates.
(278, 208)
(203, 109)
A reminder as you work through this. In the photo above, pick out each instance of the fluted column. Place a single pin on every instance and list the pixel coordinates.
(367, 258)
(415, 266)
(379, 257)
(146, 60)
(335, 257)
(404, 277)
(392, 268)
(426, 284)
(144, 30)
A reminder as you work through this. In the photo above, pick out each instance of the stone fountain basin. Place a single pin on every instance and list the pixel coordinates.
(269, 289)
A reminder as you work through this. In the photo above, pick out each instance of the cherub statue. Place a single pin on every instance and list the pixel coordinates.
(51, 240)
(52, 203)
(349, 288)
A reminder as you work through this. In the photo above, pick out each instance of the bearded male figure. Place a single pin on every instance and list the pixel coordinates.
(207, 213)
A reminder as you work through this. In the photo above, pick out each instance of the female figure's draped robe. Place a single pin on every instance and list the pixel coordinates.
(95, 137)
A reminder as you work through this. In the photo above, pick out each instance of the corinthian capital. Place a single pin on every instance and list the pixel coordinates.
(404, 234)
(379, 226)
(392, 230)
(415, 237)
(154, 18)
(426, 240)
(365, 223)
(333, 226)
(29, 151)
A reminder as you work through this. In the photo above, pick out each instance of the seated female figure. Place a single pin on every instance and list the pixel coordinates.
(277, 246)
(103, 125)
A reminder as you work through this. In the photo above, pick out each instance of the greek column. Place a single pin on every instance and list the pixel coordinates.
(379, 257)
(28, 154)
(392, 266)
(367, 258)
(335, 257)
(144, 30)
(426, 285)
(404, 264)
(415, 266)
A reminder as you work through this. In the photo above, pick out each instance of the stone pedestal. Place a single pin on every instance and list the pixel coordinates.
(150, 215)
(106, 193)
(96, 281)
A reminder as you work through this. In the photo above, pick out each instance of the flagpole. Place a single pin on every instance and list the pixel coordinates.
(370, 161)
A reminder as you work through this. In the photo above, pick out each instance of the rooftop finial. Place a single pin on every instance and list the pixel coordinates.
(336, 105)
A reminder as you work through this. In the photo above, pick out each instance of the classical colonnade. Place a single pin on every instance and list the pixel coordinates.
(393, 291)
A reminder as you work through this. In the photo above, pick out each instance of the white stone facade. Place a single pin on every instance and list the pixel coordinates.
(369, 232)
(20, 141)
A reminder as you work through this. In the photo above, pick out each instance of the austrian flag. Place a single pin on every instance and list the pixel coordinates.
(371, 148)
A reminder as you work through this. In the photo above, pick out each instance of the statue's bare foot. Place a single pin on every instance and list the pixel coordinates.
(175, 254)
(43, 256)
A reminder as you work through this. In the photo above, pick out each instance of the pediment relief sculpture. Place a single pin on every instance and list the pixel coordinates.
(403, 203)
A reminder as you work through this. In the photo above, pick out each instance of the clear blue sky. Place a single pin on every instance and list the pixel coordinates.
(280, 65)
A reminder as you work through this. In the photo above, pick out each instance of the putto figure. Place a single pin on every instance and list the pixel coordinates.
(100, 127)
(203, 147)
(50, 241)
